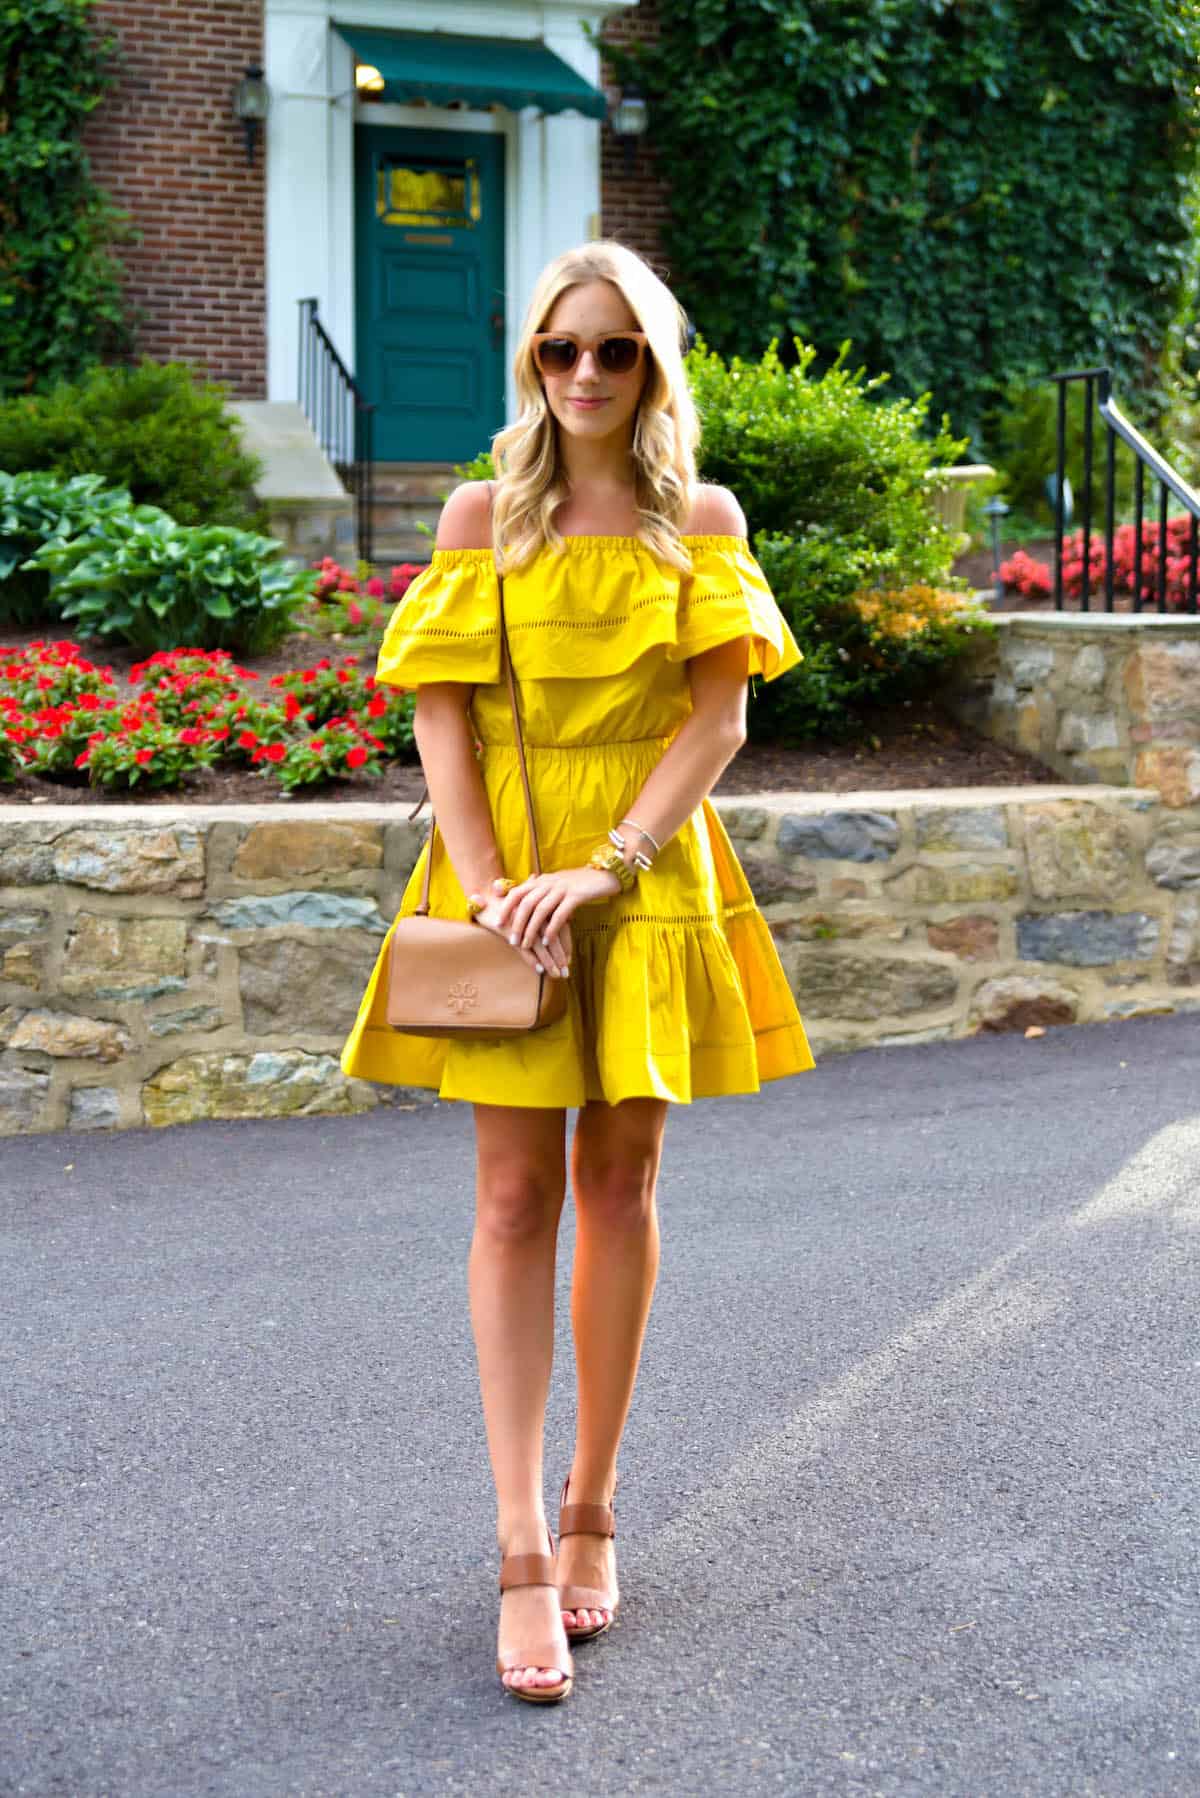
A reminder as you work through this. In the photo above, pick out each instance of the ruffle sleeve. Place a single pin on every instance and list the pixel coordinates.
(447, 626)
(727, 596)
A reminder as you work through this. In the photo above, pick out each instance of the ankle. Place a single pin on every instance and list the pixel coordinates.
(523, 1534)
(591, 1485)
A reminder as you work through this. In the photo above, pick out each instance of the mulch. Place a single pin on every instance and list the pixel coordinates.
(913, 745)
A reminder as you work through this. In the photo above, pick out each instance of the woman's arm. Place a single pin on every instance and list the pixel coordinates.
(445, 742)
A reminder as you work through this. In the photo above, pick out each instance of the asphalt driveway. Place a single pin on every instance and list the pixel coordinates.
(909, 1495)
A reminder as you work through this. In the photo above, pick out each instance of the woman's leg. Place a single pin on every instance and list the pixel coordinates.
(614, 1169)
(520, 1163)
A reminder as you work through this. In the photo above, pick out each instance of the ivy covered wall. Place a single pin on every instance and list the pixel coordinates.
(971, 190)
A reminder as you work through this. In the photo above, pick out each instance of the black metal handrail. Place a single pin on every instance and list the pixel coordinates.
(1097, 384)
(342, 418)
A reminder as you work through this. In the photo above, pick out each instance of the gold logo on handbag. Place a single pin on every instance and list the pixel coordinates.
(442, 966)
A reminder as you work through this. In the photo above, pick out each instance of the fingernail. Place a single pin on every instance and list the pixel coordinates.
(513, 941)
(539, 967)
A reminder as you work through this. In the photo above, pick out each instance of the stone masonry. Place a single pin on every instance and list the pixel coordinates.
(1097, 697)
(207, 962)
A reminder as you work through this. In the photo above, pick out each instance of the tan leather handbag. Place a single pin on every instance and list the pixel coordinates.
(446, 977)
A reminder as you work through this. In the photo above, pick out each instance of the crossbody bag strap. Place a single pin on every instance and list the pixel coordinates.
(506, 668)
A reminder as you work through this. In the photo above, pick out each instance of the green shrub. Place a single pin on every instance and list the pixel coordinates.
(142, 579)
(801, 451)
(836, 483)
(37, 509)
(154, 429)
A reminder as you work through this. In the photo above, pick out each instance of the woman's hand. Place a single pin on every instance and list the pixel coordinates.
(535, 915)
(552, 958)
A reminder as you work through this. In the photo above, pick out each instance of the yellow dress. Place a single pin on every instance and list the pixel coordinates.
(676, 990)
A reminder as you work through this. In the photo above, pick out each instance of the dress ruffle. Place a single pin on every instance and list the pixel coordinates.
(665, 1005)
(588, 612)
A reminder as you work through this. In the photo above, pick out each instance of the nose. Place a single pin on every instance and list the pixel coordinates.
(588, 369)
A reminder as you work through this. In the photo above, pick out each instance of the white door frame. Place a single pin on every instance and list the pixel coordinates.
(552, 162)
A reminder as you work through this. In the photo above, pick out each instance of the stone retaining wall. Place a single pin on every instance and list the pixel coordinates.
(160, 966)
(1096, 697)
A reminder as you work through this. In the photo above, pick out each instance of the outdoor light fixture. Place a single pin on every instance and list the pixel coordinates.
(250, 102)
(629, 119)
(996, 510)
(367, 79)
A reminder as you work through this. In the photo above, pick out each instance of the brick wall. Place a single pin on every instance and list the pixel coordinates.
(633, 207)
(166, 146)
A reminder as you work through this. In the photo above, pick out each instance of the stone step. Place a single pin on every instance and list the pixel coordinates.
(414, 480)
(393, 548)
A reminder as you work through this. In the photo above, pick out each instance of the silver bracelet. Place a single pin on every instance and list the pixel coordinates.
(642, 831)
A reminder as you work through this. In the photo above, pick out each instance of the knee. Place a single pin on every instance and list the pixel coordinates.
(516, 1206)
(618, 1193)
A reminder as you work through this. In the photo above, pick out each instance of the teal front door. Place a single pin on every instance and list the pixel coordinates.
(430, 290)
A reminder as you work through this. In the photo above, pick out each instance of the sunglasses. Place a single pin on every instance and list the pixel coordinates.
(617, 352)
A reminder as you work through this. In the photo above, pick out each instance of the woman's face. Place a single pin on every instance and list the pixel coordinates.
(589, 401)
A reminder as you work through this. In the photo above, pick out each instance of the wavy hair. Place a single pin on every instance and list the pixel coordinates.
(531, 477)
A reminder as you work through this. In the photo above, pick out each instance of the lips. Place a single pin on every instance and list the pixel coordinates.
(587, 404)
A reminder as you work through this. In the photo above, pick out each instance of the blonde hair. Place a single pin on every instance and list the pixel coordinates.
(531, 480)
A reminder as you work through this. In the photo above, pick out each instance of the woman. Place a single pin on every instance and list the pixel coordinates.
(635, 615)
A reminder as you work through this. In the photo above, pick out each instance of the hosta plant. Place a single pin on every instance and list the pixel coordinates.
(142, 579)
(38, 508)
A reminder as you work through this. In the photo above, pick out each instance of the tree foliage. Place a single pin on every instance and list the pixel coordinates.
(61, 306)
(973, 191)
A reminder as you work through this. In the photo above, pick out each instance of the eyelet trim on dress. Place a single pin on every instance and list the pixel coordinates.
(440, 630)
(611, 623)
(673, 920)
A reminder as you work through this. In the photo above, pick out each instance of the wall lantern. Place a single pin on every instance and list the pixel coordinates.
(368, 80)
(250, 102)
(629, 119)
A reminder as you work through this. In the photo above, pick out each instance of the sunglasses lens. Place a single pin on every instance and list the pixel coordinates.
(618, 355)
(556, 355)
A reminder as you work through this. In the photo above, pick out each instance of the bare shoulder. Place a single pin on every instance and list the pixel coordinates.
(466, 521)
(715, 513)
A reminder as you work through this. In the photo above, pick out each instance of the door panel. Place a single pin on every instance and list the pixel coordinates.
(430, 283)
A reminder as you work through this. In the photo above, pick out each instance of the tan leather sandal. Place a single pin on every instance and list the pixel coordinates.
(587, 1520)
(534, 1570)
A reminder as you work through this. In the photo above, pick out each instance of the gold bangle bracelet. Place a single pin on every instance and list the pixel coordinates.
(608, 860)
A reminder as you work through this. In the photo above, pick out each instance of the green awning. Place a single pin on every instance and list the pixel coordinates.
(440, 66)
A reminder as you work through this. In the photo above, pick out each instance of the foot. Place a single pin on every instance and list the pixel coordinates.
(587, 1579)
(531, 1645)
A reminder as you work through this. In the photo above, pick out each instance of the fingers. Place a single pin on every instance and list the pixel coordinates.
(534, 918)
(530, 959)
(529, 918)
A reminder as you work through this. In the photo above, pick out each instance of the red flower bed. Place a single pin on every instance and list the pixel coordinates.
(1035, 580)
(62, 716)
(362, 598)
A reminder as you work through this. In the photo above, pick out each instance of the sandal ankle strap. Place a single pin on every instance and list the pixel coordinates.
(526, 1570)
(584, 1520)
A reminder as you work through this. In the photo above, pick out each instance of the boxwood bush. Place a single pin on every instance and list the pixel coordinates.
(836, 482)
(155, 429)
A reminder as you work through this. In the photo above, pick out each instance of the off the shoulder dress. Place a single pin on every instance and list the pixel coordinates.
(676, 990)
